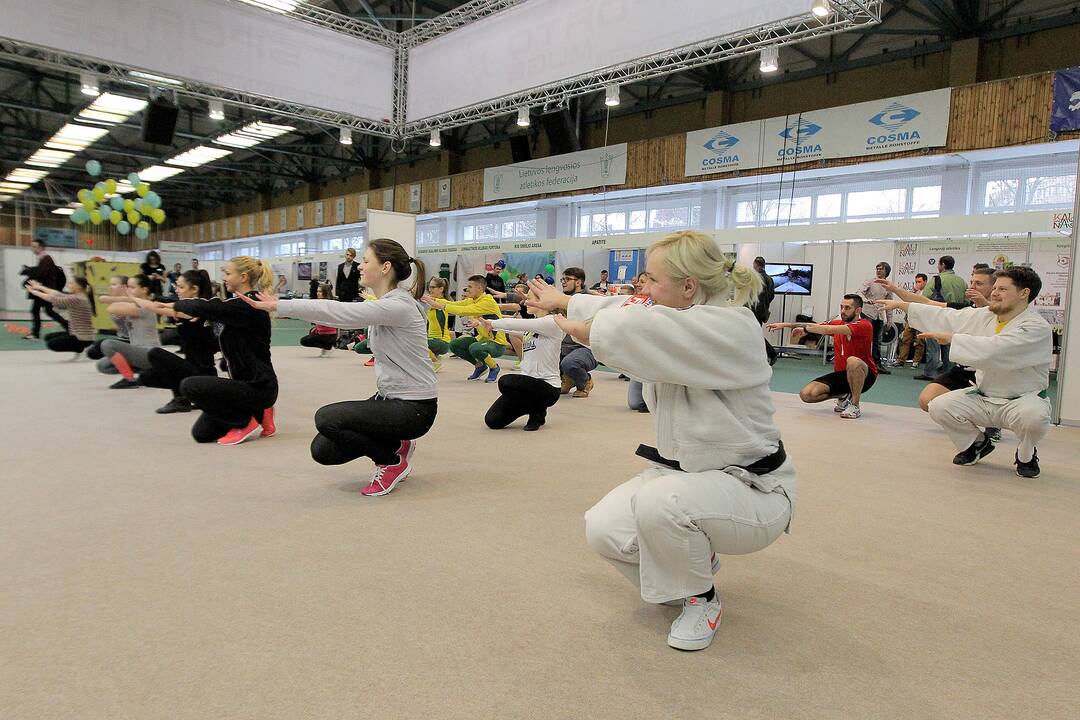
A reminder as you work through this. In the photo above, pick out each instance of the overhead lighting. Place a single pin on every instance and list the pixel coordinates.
(63, 211)
(5, 198)
(770, 59)
(523, 117)
(111, 109)
(123, 187)
(25, 175)
(155, 173)
(253, 134)
(13, 187)
(159, 79)
(611, 95)
(281, 6)
(821, 8)
(435, 140)
(89, 84)
(49, 158)
(345, 136)
(198, 156)
(74, 137)
(217, 110)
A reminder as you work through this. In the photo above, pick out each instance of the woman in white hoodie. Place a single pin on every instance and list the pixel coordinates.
(718, 482)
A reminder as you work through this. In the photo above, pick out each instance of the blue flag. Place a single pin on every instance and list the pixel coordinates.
(1066, 112)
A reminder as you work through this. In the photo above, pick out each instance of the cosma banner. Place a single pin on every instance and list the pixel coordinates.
(1065, 114)
(908, 122)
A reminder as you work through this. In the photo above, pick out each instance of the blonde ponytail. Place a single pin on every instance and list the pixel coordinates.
(721, 281)
(260, 273)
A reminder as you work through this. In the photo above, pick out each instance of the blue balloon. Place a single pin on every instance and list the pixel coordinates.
(138, 204)
(133, 178)
(152, 199)
(93, 167)
(549, 280)
(123, 227)
(116, 202)
(142, 233)
(80, 216)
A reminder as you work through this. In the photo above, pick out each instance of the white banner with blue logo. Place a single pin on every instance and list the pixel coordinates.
(1066, 112)
(909, 122)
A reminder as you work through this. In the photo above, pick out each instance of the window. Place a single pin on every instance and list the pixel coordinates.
(497, 230)
(333, 244)
(1056, 190)
(892, 201)
(249, 250)
(428, 234)
(926, 200)
(212, 254)
(296, 247)
(669, 218)
(666, 214)
(1000, 194)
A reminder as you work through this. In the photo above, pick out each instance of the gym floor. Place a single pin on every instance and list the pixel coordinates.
(148, 577)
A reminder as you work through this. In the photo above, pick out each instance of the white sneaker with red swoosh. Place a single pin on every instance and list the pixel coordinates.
(696, 624)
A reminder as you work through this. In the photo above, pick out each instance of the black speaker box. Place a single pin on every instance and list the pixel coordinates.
(520, 149)
(560, 131)
(159, 122)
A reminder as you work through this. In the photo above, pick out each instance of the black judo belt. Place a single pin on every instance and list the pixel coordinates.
(764, 466)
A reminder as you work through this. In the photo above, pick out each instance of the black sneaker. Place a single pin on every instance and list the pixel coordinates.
(533, 425)
(1029, 469)
(994, 434)
(123, 384)
(176, 405)
(978, 450)
(883, 371)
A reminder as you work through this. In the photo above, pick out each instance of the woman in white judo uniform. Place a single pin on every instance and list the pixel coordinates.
(719, 482)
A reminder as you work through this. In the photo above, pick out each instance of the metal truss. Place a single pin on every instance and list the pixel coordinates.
(847, 14)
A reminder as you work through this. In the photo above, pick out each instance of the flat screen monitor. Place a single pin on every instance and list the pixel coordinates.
(791, 278)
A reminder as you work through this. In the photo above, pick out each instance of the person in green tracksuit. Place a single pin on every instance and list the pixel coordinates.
(438, 324)
(486, 346)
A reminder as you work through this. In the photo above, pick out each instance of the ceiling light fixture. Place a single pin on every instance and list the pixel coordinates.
(89, 84)
(821, 8)
(523, 117)
(435, 140)
(345, 136)
(770, 59)
(156, 79)
(217, 110)
(611, 95)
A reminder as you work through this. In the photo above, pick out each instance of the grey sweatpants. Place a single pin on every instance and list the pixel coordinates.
(136, 355)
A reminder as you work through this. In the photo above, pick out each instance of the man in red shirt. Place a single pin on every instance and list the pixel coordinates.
(854, 370)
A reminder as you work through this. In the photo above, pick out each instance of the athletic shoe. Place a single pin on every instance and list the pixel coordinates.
(268, 426)
(325, 352)
(370, 363)
(477, 372)
(493, 374)
(239, 435)
(715, 569)
(516, 367)
(28, 336)
(696, 624)
(1029, 469)
(994, 434)
(387, 477)
(978, 450)
(842, 403)
(408, 447)
(176, 405)
(852, 412)
(883, 371)
(436, 366)
(533, 425)
(123, 384)
(567, 385)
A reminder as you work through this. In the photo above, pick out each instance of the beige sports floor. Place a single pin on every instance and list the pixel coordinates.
(145, 577)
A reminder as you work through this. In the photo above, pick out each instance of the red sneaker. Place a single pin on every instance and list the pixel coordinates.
(268, 426)
(370, 363)
(239, 435)
(387, 477)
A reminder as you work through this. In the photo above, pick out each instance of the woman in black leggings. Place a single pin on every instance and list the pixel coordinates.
(197, 343)
(234, 409)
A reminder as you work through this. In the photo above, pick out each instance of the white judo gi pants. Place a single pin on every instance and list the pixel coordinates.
(661, 528)
(963, 412)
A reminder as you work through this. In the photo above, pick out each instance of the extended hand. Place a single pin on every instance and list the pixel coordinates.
(977, 298)
(777, 326)
(428, 300)
(887, 283)
(578, 330)
(943, 338)
(890, 304)
(266, 302)
(485, 323)
(548, 297)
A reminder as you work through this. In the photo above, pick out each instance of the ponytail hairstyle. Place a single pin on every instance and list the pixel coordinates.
(327, 290)
(84, 285)
(199, 279)
(386, 250)
(144, 282)
(441, 282)
(260, 273)
(721, 281)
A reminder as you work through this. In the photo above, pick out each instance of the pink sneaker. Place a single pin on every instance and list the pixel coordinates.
(239, 435)
(387, 477)
(268, 426)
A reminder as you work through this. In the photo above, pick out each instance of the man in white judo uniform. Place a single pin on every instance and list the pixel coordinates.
(1009, 345)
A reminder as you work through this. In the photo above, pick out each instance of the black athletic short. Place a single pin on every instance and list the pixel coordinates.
(838, 385)
(957, 377)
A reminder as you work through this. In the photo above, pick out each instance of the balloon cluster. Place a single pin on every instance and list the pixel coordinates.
(123, 213)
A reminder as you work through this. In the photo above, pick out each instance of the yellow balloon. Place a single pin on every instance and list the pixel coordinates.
(144, 225)
(115, 217)
(129, 205)
(133, 217)
(84, 196)
(110, 186)
(158, 216)
(95, 217)
(142, 189)
(99, 193)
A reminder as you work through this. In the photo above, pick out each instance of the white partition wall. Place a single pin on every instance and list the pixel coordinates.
(395, 226)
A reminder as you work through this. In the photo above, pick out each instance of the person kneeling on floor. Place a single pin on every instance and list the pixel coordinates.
(1010, 346)
(854, 369)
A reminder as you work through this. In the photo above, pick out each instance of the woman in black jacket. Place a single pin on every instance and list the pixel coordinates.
(234, 409)
(154, 270)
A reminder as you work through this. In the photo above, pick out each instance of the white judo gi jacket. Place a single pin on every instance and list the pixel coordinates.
(704, 375)
(1009, 364)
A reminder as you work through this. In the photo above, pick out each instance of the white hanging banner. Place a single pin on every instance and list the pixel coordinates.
(559, 173)
(899, 124)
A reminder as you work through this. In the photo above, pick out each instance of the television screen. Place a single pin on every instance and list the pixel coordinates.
(791, 278)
